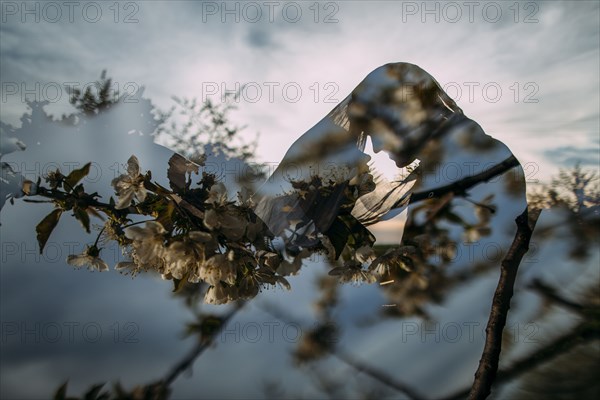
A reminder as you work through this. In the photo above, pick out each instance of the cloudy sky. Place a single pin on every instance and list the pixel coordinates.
(527, 72)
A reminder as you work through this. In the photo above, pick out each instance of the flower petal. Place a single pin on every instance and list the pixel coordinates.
(125, 199)
(133, 166)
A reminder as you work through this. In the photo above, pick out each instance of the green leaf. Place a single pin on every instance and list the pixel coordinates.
(165, 215)
(83, 217)
(359, 234)
(338, 234)
(61, 392)
(76, 175)
(179, 284)
(345, 229)
(45, 228)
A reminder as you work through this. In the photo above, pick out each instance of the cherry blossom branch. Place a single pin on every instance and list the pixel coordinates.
(187, 362)
(87, 201)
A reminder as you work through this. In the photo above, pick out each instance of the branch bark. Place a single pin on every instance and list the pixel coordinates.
(460, 187)
(488, 364)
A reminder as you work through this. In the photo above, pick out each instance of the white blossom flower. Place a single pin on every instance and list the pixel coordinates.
(222, 216)
(352, 272)
(227, 220)
(245, 198)
(256, 276)
(187, 256)
(393, 258)
(286, 267)
(129, 186)
(219, 267)
(109, 232)
(364, 254)
(148, 246)
(181, 259)
(127, 267)
(88, 258)
(328, 246)
(220, 294)
(217, 194)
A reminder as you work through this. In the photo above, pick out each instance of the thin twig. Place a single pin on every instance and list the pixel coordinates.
(351, 361)
(488, 365)
(550, 294)
(186, 362)
(376, 374)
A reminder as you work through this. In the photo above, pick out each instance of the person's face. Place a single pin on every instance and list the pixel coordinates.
(381, 144)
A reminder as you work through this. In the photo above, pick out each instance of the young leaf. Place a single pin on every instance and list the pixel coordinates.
(179, 284)
(359, 234)
(46, 226)
(76, 175)
(83, 217)
(338, 234)
(165, 215)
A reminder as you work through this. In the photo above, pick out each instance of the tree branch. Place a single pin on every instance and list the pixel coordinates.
(376, 374)
(550, 294)
(488, 365)
(460, 187)
(349, 360)
(186, 362)
(580, 335)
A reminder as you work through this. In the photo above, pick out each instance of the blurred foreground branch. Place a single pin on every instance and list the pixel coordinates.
(327, 344)
(582, 334)
(187, 362)
(488, 365)
(460, 187)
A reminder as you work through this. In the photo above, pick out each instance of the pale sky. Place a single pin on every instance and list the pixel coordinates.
(527, 72)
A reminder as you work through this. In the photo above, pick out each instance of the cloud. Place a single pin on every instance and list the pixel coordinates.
(568, 156)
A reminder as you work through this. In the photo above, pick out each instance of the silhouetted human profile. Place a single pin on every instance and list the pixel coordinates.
(325, 174)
